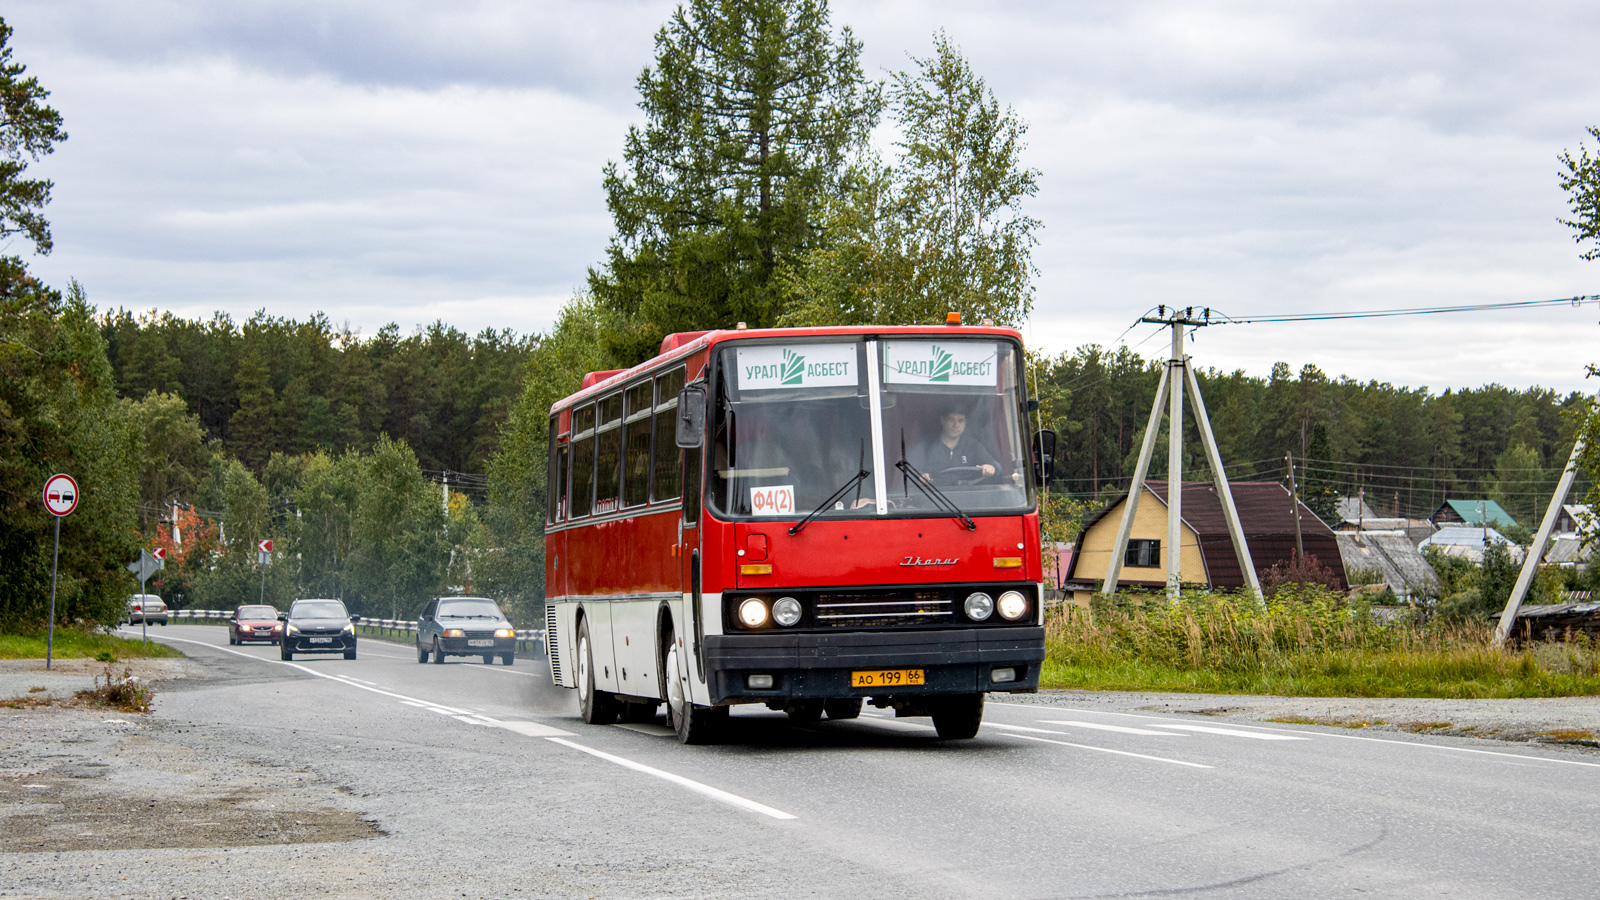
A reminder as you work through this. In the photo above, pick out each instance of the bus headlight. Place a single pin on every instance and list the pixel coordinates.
(1013, 605)
(753, 613)
(786, 611)
(979, 606)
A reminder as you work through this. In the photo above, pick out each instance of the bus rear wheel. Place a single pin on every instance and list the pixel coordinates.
(597, 706)
(958, 717)
(843, 708)
(693, 724)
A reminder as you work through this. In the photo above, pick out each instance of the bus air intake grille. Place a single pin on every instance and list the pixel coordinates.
(852, 610)
(550, 643)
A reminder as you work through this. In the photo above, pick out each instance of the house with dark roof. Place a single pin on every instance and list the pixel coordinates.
(1206, 557)
(1471, 512)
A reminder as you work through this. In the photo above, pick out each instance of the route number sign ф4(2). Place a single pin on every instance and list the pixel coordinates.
(60, 495)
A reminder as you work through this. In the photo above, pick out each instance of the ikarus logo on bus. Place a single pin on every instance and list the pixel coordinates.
(780, 366)
(940, 362)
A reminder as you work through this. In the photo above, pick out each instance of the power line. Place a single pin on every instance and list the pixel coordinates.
(1577, 301)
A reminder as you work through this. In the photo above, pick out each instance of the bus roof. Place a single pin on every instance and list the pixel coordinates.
(685, 344)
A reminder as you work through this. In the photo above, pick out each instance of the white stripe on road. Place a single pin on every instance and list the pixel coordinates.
(524, 728)
(1176, 762)
(1424, 745)
(1119, 729)
(697, 787)
(1234, 732)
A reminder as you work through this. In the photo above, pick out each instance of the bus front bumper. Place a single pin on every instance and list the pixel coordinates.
(812, 665)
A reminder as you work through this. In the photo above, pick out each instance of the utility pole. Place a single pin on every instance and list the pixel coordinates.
(1530, 563)
(1170, 392)
(1294, 508)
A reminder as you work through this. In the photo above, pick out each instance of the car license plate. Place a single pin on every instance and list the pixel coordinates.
(482, 643)
(887, 678)
(319, 640)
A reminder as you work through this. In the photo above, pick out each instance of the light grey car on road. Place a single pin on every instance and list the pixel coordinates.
(465, 626)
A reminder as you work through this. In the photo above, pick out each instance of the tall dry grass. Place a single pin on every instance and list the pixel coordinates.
(1310, 643)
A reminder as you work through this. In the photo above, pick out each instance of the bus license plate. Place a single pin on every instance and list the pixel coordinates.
(887, 678)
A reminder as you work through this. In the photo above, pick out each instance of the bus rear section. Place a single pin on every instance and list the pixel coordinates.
(854, 521)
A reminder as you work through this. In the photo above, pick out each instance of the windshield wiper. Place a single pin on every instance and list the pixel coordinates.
(931, 490)
(828, 503)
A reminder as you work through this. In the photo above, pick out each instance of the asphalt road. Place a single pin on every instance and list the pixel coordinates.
(486, 783)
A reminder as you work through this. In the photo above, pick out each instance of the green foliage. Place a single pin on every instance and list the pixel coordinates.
(74, 643)
(29, 129)
(294, 387)
(58, 413)
(939, 231)
(173, 456)
(1581, 181)
(1310, 644)
(752, 111)
(400, 550)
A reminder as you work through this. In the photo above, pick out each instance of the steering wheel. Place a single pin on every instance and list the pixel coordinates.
(958, 475)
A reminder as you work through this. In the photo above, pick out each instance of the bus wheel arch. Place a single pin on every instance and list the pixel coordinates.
(597, 707)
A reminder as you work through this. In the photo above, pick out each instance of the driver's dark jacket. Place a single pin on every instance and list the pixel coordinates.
(932, 456)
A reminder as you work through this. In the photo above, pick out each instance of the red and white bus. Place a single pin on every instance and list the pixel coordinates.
(800, 517)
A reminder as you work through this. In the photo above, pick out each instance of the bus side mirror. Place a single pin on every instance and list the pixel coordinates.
(1044, 457)
(691, 416)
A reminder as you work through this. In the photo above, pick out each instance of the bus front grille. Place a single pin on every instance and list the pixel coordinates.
(864, 610)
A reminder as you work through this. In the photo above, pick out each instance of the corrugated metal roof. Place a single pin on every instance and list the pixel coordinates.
(1474, 512)
(1392, 555)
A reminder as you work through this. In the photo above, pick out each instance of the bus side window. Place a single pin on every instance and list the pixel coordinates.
(556, 485)
(582, 462)
(668, 459)
(608, 454)
(636, 445)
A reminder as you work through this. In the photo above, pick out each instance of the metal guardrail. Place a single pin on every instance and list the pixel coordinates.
(398, 627)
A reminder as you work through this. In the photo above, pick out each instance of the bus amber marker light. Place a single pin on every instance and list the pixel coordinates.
(756, 569)
(1008, 562)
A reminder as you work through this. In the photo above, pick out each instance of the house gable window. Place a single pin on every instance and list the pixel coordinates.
(1143, 553)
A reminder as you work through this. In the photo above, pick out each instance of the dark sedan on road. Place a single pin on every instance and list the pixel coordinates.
(318, 626)
(465, 626)
(254, 623)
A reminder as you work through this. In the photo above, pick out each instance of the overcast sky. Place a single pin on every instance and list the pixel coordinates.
(407, 161)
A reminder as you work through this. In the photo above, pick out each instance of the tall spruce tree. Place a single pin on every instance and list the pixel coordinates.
(29, 129)
(753, 109)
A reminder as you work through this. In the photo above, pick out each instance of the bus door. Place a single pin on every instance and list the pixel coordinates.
(690, 625)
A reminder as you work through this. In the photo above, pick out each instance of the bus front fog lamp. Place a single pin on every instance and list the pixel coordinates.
(1001, 675)
(979, 606)
(786, 611)
(753, 613)
(1013, 606)
(758, 682)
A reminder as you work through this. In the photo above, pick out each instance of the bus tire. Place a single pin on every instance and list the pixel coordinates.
(693, 724)
(597, 706)
(843, 708)
(958, 717)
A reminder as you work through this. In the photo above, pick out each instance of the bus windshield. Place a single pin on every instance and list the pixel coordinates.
(795, 424)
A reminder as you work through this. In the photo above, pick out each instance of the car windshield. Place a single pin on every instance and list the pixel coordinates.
(256, 612)
(792, 428)
(318, 609)
(463, 609)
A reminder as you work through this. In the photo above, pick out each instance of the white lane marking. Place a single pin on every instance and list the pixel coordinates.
(1119, 729)
(1176, 762)
(521, 728)
(697, 787)
(534, 729)
(1233, 732)
(895, 724)
(642, 728)
(1005, 727)
(1347, 737)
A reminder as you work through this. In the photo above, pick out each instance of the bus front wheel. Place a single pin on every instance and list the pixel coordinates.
(958, 717)
(694, 724)
(597, 706)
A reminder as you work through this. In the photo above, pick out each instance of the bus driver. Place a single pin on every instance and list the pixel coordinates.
(952, 448)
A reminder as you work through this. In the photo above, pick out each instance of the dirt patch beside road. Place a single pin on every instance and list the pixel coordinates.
(75, 779)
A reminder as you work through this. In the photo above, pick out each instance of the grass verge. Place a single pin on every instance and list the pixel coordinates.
(1311, 645)
(75, 644)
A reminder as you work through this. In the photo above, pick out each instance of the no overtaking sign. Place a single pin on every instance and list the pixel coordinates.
(60, 495)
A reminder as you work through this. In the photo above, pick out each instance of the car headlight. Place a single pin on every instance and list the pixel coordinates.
(505, 632)
(786, 611)
(753, 613)
(350, 629)
(979, 606)
(1013, 605)
(289, 628)
(454, 632)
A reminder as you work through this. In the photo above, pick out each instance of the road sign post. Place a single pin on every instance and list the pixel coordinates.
(142, 568)
(60, 499)
(263, 557)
